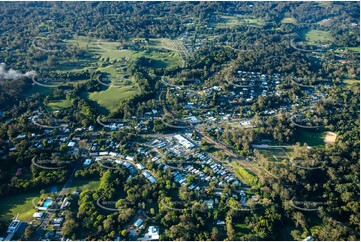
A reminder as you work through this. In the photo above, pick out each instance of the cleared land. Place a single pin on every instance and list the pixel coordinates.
(59, 104)
(315, 36)
(245, 176)
(275, 155)
(84, 185)
(351, 82)
(289, 21)
(109, 58)
(330, 137)
(310, 138)
(225, 21)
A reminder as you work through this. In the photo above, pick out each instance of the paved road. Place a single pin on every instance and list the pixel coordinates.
(53, 208)
(224, 147)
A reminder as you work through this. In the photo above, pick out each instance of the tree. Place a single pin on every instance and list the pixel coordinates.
(214, 234)
(29, 231)
(69, 228)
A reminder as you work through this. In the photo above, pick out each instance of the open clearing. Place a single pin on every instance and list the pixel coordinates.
(113, 62)
(225, 21)
(110, 98)
(289, 21)
(276, 154)
(245, 176)
(84, 185)
(315, 36)
(351, 82)
(311, 138)
(330, 137)
(19, 204)
(59, 104)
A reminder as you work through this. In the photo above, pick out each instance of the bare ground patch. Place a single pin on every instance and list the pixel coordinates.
(330, 137)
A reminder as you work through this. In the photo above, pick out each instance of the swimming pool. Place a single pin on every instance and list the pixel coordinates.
(47, 203)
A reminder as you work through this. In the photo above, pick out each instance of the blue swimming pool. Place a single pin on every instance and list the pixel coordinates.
(47, 203)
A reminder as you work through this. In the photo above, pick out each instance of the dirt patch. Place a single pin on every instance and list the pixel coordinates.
(330, 137)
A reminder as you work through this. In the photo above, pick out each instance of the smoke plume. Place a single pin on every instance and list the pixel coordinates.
(12, 74)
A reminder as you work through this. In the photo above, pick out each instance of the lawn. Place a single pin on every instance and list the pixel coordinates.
(84, 185)
(241, 229)
(311, 138)
(276, 154)
(59, 104)
(109, 99)
(19, 204)
(314, 36)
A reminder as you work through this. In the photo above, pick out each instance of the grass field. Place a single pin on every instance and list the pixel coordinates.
(20, 204)
(241, 229)
(314, 36)
(111, 51)
(277, 154)
(310, 138)
(109, 99)
(59, 104)
(237, 20)
(289, 21)
(84, 185)
(113, 62)
(245, 176)
(351, 82)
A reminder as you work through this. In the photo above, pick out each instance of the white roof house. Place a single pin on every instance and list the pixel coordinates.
(71, 144)
(152, 234)
(151, 179)
(139, 166)
(38, 215)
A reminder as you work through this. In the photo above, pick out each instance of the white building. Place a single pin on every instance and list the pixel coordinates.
(184, 142)
(152, 234)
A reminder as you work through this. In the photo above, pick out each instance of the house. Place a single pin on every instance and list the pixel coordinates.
(139, 166)
(87, 162)
(309, 238)
(209, 203)
(58, 221)
(21, 136)
(129, 158)
(71, 144)
(151, 179)
(19, 172)
(13, 227)
(152, 234)
(219, 222)
(38, 215)
(113, 154)
(138, 223)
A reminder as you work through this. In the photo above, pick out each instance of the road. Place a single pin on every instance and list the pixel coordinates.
(242, 162)
(48, 214)
(222, 146)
